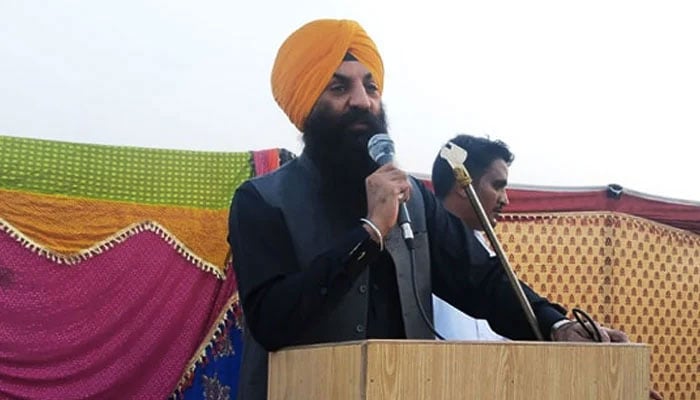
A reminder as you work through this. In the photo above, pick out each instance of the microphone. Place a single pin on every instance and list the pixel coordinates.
(381, 150)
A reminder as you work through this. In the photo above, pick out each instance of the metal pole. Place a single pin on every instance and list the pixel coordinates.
(456, 156)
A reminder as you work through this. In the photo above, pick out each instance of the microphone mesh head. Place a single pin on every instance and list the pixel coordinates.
(381, 148)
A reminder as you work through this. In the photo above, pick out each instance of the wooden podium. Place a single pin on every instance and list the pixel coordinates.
(414, 369)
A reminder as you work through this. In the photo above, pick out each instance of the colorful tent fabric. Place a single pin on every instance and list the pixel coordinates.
(123, 322)
(114, 269)
(114, 279)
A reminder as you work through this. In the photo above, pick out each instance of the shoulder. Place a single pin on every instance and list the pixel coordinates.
(420, 184)
(426, 193)
(245, 196)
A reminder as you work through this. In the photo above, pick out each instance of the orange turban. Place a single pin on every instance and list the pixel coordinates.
(306, 62)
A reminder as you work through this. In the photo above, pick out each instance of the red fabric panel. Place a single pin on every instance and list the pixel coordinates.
(682, 216)
(266, 161)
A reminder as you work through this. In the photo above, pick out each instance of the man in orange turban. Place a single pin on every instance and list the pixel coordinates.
(328, 78)
(307, 60)
(317, 252)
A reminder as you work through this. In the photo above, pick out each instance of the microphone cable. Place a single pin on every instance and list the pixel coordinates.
(423, 314)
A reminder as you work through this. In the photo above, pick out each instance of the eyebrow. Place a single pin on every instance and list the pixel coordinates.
(345, 78)
(501, 183)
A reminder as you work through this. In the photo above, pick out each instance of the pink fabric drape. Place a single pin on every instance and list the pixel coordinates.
(122, 323)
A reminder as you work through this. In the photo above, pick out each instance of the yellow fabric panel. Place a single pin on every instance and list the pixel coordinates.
(70, 224)
(628, 273)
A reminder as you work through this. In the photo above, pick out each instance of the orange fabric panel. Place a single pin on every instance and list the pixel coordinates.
(69, 224)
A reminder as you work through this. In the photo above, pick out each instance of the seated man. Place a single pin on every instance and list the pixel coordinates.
(487, 163)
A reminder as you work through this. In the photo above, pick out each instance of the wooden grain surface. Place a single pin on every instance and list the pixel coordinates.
(406, 370)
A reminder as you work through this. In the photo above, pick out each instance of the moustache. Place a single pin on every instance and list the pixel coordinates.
(373, 122)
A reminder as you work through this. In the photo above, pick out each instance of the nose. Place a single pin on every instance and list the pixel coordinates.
(359, 98)
(504, 198)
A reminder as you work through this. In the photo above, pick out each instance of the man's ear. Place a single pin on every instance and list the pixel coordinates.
(459, 191)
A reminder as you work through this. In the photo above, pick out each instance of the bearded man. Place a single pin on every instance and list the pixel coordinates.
(317, 253)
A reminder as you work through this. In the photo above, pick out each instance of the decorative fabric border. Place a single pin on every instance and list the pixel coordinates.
(230, 313)
(516, 217)
(118, 237)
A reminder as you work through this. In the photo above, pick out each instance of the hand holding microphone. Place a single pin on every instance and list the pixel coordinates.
(388, 189)
(385, 187)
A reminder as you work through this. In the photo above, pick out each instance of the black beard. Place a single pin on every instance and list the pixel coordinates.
(340, 153)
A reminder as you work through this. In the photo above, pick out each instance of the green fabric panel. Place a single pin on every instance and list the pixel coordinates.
(152, 176)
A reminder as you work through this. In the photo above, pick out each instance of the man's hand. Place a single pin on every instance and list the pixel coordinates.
(573, 331)
(386, 187)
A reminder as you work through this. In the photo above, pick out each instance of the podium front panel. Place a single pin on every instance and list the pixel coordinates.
(407, 370)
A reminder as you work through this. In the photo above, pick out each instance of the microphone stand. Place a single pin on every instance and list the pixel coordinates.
(455, 157)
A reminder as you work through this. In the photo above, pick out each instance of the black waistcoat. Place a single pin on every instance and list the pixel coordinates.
(295, 190)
